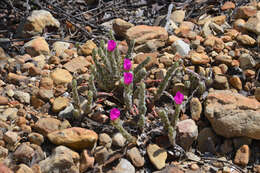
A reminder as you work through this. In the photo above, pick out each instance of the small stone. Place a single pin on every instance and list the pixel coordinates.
(124, 166)
(45, 94)
(242, 155)
(142, 56)
(253, 24)
(61, 76)
(257, 93)
(120, 27)
(118, 140)
(220, 82)
(181, 47)
(216, 43)
(23, 97)
(3, 100)
(246, 11)
(187, 133)
(86, 161)
(170, 169)
(218, 29)
(224, 59)
(76, 138)
(40, 61)
(195, 108)
(246, 40)
(59, 47)
(257, 168)
(228, 5)
(246, 61)
(226, 170)
(87, 48)
(177, 16)
(105, 140)
(46, 83)
(11, 137)
(24, 153)
(14, 78)
(101, 154)
(194, 167)
(59, 104)
(36, 138)
(77, 64)
(3, 153)
(22, 168)
(157, 155)
(236, 82)
(135, 157)
(198, 58)
(47, 125)
(36, 102)
(9, 113)
(37, 46)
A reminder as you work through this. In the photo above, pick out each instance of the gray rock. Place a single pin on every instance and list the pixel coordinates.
(118, 140)
(101, 154)
(105, 140)
(181, 47)
(67, 112)
(22, 96)
(124, 166)
(246, 61)
(135, 157)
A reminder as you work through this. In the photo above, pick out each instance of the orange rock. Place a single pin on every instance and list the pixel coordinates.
(246, 11)
(242, 155)
(236, 82)
(228, 5)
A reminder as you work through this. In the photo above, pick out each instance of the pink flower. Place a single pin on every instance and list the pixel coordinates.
(127, 64)
(178, 98)
(114, 113)
(111, 45)
(128, 78)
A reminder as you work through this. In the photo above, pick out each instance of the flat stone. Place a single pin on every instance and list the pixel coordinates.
(47, 125)
(23, 97)
(76, 138)
(223, 59)
(246, 40)
(242, 155)
(225, 109)
(187, 133)
(38, 20)
(246, 61)
(220, 82)
(118, 140)
(181, 47)
(61, 76)
(87, 48)
(157, 155)
(11, 137)
(195, 108)
(124, 166)
(60, 103)
(253, 24)
(37, 46)
(14, 78)
(59, 47)
(216, 43)
(228, 5)
(135, 157)
(199, 58)
(246, 11)
(236, 82)
(120, 27)
(24, 153)
(143, 33)
(36, 138)
(3, 100)
(142, 56)
(86, 161)
(178, 16)
(60, 158)
(77, 64)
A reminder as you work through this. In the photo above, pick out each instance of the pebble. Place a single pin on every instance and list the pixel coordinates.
(87, 48)
(124, 166)
(181, 47)
(105, 140)
(47, 125)
(246, 61)
(242, 155)
(207, 140)
(36, 138)
(236, 82)
(120, 27)
(61, 76)
(228, 5)
(23, 97)
(195, 108)
(246, 40)
(157, 155)
(11, 137)
(178, 16)
(118, 140)
(24, 153)
(22, 168)
(37, 46)
(101, 154)
(135, 157)
(3, 100)
(86, 161)
(59, 104)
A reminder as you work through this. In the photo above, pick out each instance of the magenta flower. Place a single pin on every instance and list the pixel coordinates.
(114, 113)
(178, 98)
(127, 64)
(111, 45)
(128, 78)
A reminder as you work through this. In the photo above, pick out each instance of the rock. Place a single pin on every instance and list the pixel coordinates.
(218, 29)
(177, 16)
(253, 24)
(246, 40)
(47, 125)
(36, 102)
(246, 61)
(101, 154)
(228, 5)
(61, 76)
(216, 43)
(36, 138)
(120, 27)
(23, 97)
(195, 108)
(86, 49)
(67, 112)
(86, 161)
(236, 82)
(220, 82)
(4, 168)
(3, 100)
(257, 93)
(206, 31)
(157, 155)
(170, 169)
(11, 137)
(59, 47)
(22, 168)
(3, 153)
(187, 133)
(225, 109)
(37, 46)
(61, 157)
(59, 104)
(207, 141)
(223, 59)
(24, 153)
(9, 113)
(38, 20)
(199, 58)
(149, 46)
(40, 60)
(14, 78)
(245, 12)
(77, 64)
(153, 59)
(45, 94)
(124, 166)
(46, 83)
(135, 157)
(181, 47)
(142, 33)
(34, 71)
(257, 168)
(118, 140)
(105, 140)
(76, 138)
(242, 156)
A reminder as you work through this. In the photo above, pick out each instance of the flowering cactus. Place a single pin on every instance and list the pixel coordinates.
(127, 64)
(178, 99)
(128, 78)
(111, 45)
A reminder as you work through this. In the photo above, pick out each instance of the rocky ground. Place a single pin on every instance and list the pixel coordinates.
(219, 127)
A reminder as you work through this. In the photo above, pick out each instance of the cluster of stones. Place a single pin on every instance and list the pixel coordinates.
(37, 84)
